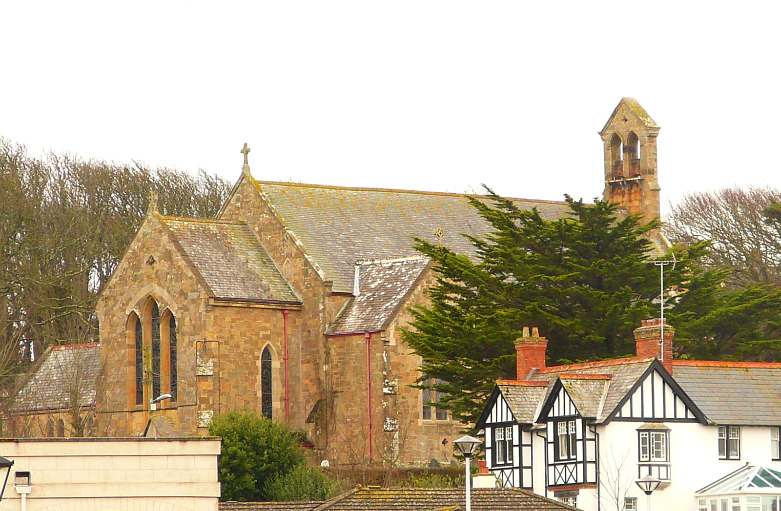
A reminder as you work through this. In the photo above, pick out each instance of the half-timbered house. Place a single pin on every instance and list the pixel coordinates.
(584, 433)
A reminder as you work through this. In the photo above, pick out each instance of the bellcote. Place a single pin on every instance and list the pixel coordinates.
(629, 139)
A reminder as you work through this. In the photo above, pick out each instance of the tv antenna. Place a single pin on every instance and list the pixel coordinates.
(661, 265)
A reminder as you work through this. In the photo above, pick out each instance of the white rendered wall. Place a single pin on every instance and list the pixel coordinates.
(694, 460)
(114, 474)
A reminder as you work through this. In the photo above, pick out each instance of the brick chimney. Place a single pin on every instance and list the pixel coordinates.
(529, 352)
(647, 341)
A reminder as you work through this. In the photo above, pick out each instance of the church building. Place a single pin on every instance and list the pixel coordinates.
(291, 303)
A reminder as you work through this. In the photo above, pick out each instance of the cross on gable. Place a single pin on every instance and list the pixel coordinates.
(245, 152)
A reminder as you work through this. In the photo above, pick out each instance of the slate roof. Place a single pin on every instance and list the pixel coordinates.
(524, 401)
(737, 393)
(381, 287)
(414, 499)
(61, 370)
(231, 260)
(339, 226)
(586, 394)
(596, 388)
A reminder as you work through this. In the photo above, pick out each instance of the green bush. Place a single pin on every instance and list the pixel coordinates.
(302, 483)
(255, 450)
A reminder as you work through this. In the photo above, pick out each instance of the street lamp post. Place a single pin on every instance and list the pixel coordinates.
(648, 484)
(6, 464)
(468, 445)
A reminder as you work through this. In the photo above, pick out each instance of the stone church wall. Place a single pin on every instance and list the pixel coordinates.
(151, 267)
(310, 383)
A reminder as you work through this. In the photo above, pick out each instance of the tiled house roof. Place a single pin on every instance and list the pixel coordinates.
(596, 388)
(737, 393)
(524, 401)
(623, 373)
(339, 226)
(230, 259)
(270, 506)
(381, 287)
(62, 371)
(416, 499)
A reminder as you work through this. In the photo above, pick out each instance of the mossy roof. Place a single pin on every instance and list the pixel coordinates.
(339, 226)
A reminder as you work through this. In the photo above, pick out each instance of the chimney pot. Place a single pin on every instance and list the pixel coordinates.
(526, 331)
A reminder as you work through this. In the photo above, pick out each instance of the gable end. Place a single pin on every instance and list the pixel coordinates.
(656, 396)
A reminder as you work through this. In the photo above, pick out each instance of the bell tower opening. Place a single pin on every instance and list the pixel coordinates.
(632, 155)
(617, 157)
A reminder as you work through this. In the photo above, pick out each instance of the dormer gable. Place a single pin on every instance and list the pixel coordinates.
(576, 395)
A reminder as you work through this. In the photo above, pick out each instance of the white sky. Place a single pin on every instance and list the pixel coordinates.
(428, 95)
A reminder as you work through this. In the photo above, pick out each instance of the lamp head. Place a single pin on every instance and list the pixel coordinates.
(467, 445)
(648, 484)
(160, 398)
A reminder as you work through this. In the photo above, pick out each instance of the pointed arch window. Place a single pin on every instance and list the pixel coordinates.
(172, 358)
(266, 390)
(139, 359)
(154, 340)
(156, 351)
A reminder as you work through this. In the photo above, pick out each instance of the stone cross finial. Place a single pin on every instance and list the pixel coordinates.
(438, 234)
(152, 202)
(245, 151)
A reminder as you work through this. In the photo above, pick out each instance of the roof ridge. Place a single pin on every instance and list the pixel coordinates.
(391, 260)
(523, 383)
(726, 363)
(399, 190)
(202, 220)
(585, 376)
(75, 346)
(596, 363)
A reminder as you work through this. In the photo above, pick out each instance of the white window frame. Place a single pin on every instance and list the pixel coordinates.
(630, 503)
(503, 443)
(775, 443)
(570, 500)
(566, 440)
(654, 446)
(729, 442)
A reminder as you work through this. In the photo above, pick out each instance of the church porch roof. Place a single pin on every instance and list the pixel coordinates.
(63, 372)
(380, 287)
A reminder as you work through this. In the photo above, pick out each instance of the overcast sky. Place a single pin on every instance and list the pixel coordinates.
(427, 95)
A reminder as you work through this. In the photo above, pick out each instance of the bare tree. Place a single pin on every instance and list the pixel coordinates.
(734, 220)
(615, 477)
(64, 226)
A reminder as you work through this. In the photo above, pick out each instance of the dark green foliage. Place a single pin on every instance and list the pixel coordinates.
(586, 281)
(302, 483)
(255, 450)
